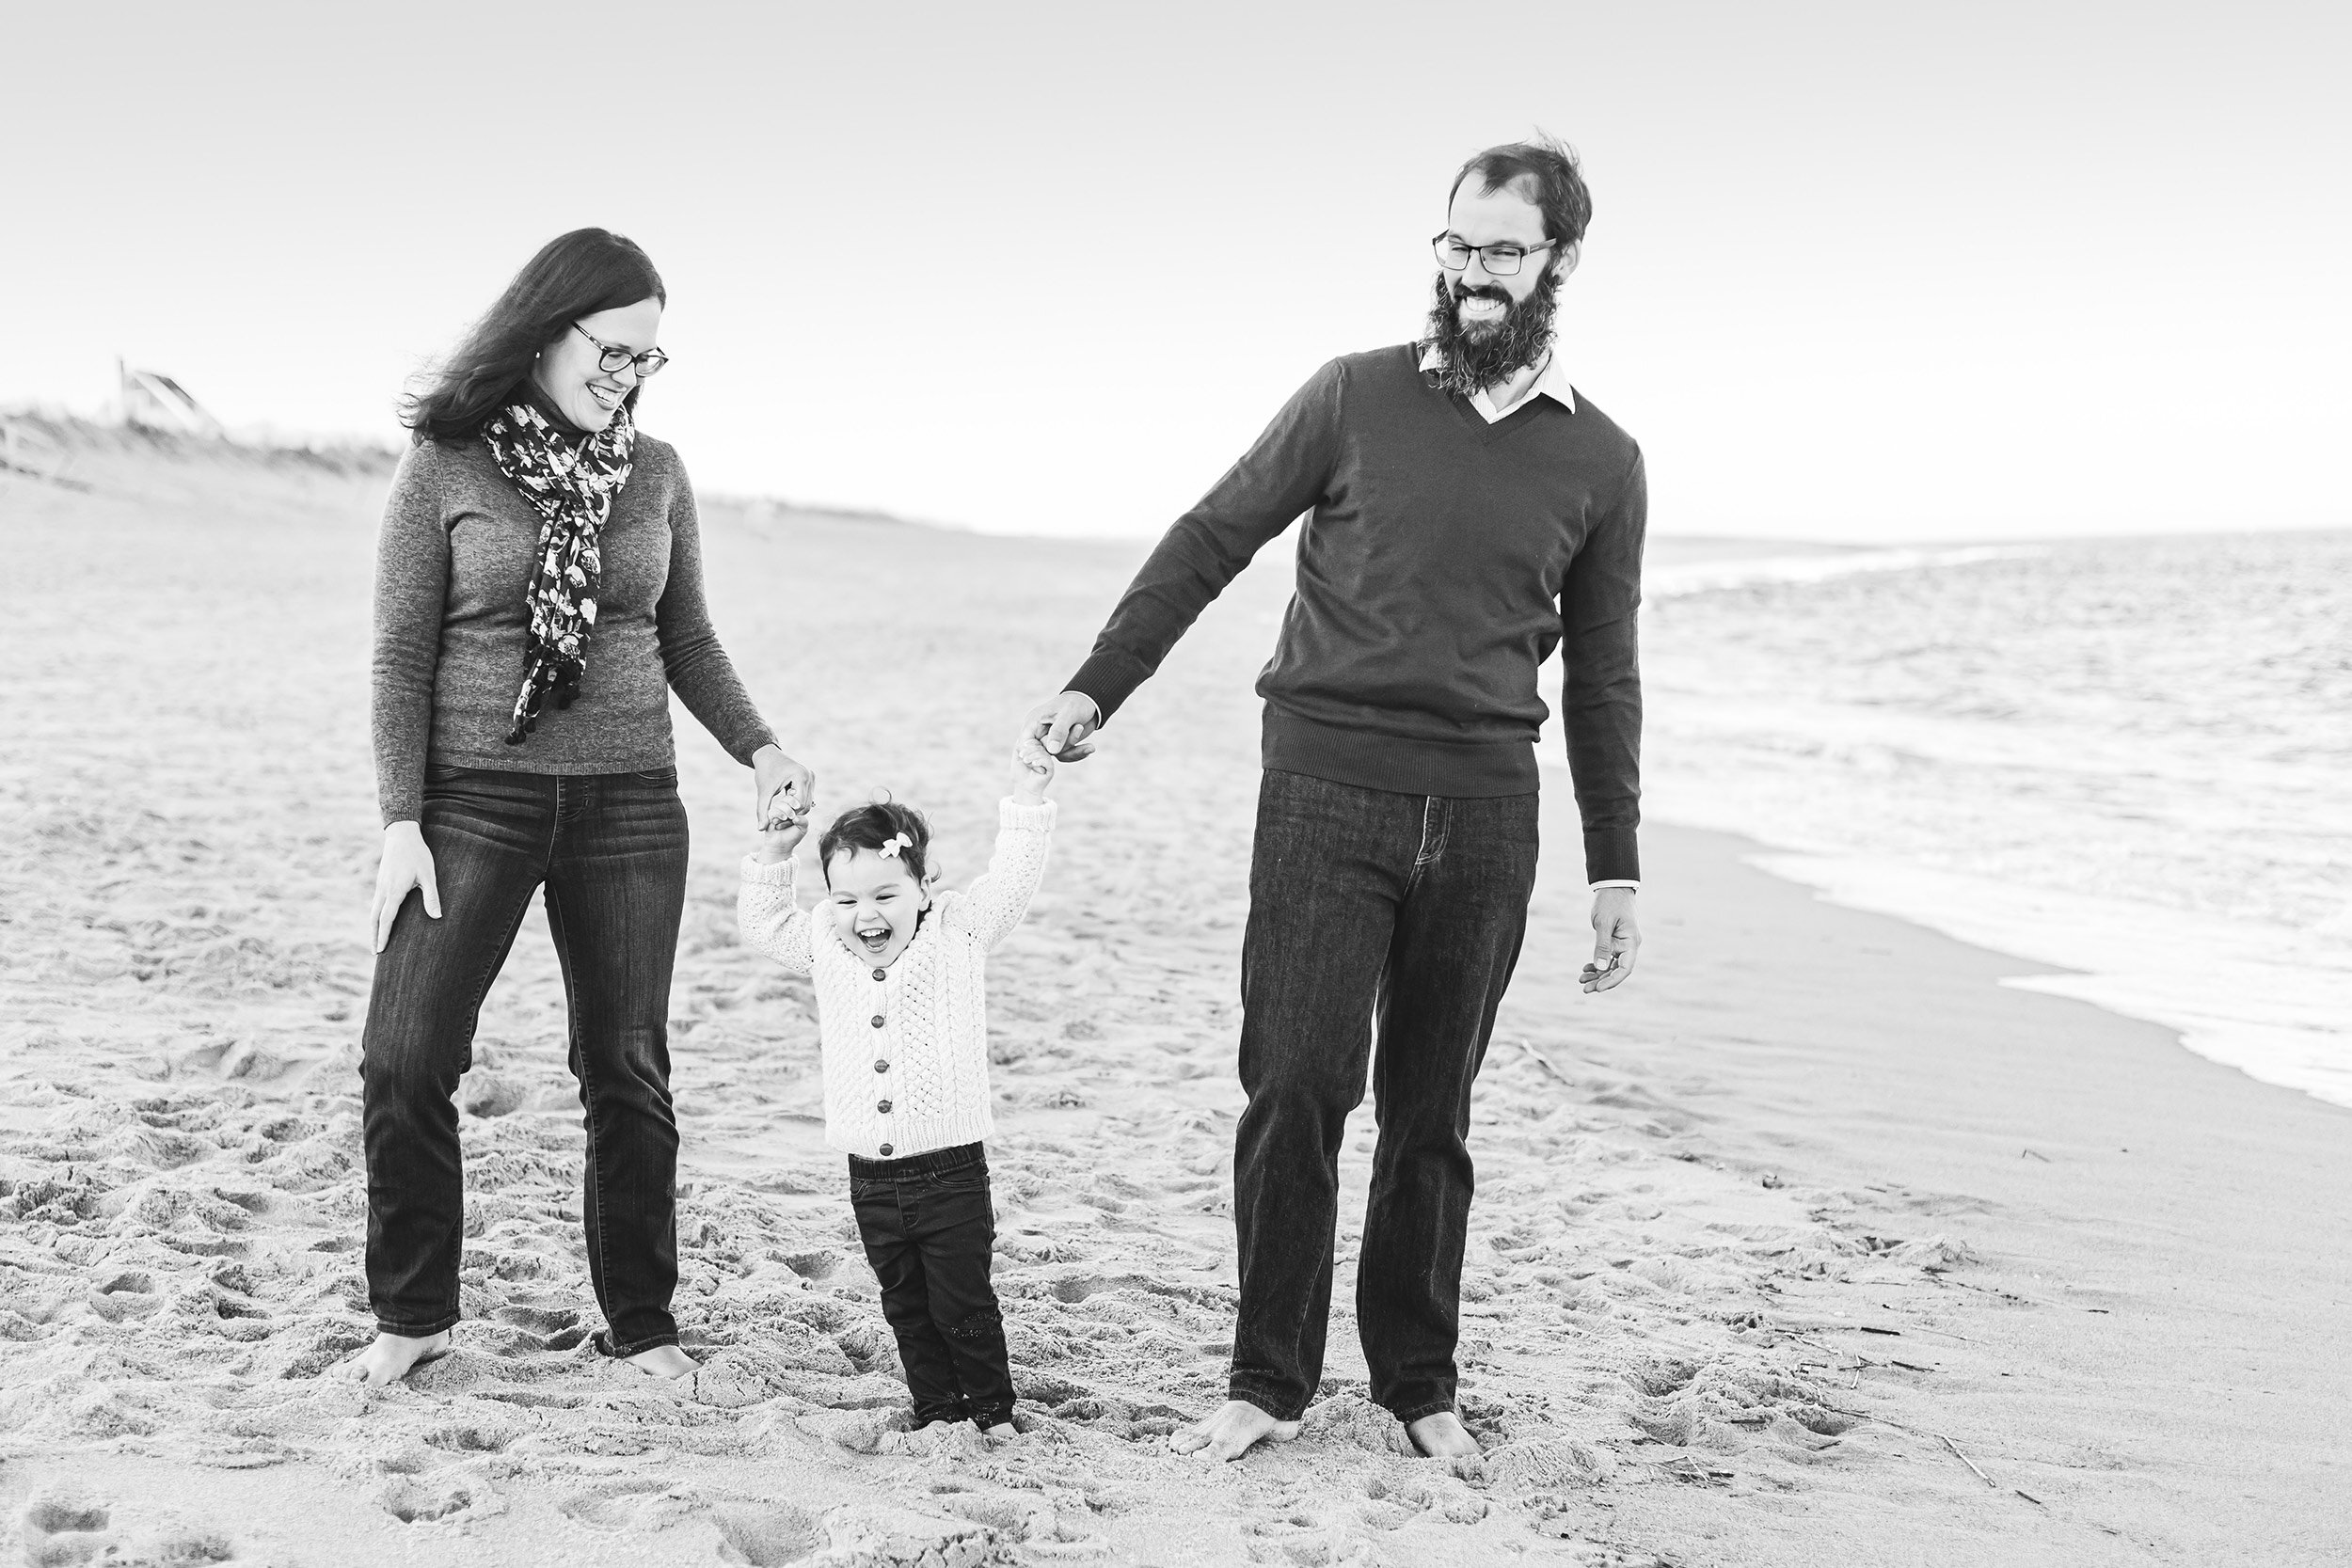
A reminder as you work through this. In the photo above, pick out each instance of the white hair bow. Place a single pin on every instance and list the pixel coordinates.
(897, 842)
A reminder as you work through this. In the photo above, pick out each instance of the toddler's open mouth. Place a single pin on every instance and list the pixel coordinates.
(875, 940)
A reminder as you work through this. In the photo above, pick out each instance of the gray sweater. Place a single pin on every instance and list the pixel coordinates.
(450, 569)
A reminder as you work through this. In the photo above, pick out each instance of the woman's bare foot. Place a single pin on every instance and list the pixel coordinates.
(1443, 1436)
(1002, 1429)
(393, 1356)
(1232, 1430)
(664, 1361)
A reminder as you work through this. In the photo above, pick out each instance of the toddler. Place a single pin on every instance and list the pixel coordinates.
(901, 1012)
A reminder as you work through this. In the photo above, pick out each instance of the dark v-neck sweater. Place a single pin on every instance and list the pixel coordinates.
(1442, 559)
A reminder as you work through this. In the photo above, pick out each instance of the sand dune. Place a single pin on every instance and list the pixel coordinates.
(1689, 1339)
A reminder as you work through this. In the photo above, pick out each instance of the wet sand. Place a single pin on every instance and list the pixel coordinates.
(1754, 1236)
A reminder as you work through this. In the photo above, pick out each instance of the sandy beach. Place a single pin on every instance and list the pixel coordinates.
(1814, 1243)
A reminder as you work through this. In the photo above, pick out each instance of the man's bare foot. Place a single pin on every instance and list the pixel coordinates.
(1232, 1430)
(1441, 1436)
(664, 1361)
(1002, 1429)
(393, 1356)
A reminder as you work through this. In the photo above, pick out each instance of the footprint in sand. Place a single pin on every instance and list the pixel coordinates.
(67, 1525)
(1660, 1377)
(424, 1500)
(765, 1535)
(63, 1526)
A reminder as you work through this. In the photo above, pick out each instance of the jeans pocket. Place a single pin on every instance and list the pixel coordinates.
(963, 1178)
(656, 775)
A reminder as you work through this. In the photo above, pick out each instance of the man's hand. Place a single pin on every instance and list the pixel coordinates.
(780, 788)
(1062, 725)
(1615, 940)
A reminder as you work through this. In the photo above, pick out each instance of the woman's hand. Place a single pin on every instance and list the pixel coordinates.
(775, 774)
(406, 863)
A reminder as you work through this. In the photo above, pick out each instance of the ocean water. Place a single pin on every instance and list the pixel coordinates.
(2131, 758)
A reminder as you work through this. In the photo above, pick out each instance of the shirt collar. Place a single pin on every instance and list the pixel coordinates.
(1552, 383)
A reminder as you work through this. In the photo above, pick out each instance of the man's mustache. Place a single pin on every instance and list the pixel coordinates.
(1485, 290)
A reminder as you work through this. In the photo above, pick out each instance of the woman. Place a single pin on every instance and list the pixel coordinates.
(538, 593)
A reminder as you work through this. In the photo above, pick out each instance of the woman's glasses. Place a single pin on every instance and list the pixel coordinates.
(611, 357)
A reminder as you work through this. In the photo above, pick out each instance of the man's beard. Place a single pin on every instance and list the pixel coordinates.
(1480, 356)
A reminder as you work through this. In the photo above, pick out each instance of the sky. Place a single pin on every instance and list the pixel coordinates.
(1872, 273)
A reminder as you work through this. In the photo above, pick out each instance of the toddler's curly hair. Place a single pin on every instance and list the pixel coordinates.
(871, 827)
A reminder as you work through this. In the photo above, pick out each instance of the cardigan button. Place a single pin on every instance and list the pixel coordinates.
(881, 1066)
(883, 1105)
(877, 1020)
(882, 975)
(886, 1148)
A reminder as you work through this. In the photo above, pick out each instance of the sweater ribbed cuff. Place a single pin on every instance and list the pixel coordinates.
(784, 873)
(1610, 855)
(1033, 820)
(1109, 677)
(745, 745)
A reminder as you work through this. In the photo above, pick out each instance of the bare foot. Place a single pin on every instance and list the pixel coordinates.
(1232, 1430)
(1443, 1436)
(1002, 1429)
(664, 1361)
(393, 1356)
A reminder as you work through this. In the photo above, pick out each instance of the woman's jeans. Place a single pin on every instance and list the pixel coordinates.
(610, 849)
(1365, 905)
(929, 1229)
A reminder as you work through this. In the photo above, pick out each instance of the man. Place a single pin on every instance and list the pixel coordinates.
(1469, 510)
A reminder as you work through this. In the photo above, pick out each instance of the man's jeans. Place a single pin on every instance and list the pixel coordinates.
(1366, 904)
(610, 849)
(930, 1229)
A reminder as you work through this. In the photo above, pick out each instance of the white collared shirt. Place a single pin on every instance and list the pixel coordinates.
(1549, 380)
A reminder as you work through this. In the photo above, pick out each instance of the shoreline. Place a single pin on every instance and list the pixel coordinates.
(1908, 1260)
(1671, 1358)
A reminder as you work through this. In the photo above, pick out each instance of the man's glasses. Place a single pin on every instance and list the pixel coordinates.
(611, 357)
(1500, 260)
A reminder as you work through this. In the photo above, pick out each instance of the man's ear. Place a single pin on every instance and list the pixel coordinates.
(1569, 256)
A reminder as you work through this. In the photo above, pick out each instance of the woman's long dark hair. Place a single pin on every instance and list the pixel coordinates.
(573, 275)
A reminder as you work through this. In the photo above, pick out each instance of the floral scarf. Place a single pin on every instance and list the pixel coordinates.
(572, 481)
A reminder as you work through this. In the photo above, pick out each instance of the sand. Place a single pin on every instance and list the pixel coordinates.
(1813, 1242)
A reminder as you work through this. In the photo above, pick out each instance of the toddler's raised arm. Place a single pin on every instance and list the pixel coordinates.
(770, 919)
(997, 899)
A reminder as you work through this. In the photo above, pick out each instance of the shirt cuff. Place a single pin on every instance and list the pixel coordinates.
(1026, 819)
(1597, 886)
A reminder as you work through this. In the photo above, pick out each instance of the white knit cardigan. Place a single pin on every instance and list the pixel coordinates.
(906, 1056)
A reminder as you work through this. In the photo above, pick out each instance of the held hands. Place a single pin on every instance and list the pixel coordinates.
(783, 795)
(1063, 724)
(1615, 940)
(779, 837)
(1032, 769)
(406, 863)
(781, 787)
